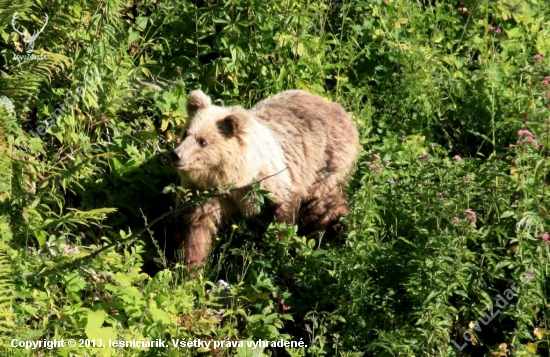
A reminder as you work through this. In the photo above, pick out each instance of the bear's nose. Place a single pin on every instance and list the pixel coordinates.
(174, 156)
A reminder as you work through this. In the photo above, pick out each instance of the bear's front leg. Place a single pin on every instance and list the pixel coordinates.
(196, 225)
(286, 212)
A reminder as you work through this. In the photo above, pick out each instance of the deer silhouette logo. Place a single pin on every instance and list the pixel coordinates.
(28, 39)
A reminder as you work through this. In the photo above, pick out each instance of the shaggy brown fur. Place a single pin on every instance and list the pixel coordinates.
(301, 147)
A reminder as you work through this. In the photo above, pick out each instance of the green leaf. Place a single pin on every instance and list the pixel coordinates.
(94, 329)
(41, 236)
(507, 214)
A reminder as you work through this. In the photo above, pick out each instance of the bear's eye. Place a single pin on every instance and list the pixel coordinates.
(202, 142)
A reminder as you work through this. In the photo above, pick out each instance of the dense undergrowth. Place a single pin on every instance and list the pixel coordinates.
(449, 199)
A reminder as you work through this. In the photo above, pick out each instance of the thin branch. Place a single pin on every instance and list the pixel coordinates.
(228, 191)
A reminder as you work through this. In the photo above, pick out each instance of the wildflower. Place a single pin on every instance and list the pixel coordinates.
(545, 237)
(527, 137)
(374, 166)
(457, 158)
(455, 220)
(377, 157)
(548, 95)
(498, 30)
(472, 216)
(308, 328)
(529, 276)
(522, 133)
(403, 138)
(538, 58)
(391, 181)
(546, 81)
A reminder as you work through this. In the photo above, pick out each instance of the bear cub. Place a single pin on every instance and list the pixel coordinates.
(298, 146)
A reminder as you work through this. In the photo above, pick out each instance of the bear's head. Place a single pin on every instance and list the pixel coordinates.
(213, 151)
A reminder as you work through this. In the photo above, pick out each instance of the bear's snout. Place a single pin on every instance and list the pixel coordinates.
(179, 161)
(174, 156)
(185, 155)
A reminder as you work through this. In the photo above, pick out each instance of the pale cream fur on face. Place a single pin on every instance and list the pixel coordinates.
(229, 161)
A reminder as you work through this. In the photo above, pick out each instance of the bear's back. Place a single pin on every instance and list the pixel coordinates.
(316, 136)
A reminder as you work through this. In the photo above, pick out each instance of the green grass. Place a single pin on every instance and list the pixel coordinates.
(449, 199)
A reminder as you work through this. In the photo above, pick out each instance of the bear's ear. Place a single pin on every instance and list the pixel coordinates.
(197, 100)
(233, 125)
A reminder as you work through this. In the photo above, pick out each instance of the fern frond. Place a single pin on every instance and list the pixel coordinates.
(6, 292)
(80, 217)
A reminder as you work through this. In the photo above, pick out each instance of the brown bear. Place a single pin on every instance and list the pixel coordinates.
(298, 146)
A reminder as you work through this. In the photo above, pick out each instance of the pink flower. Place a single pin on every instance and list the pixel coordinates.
(538, 58)
(526, 137)
(545, 237)
(455, 220)
(471, 215)
(498, 30)
(391, 181)
(457, 158)
(545, 82)
(374, 166)
(377, 157)
(522, 133)
(548, 95)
